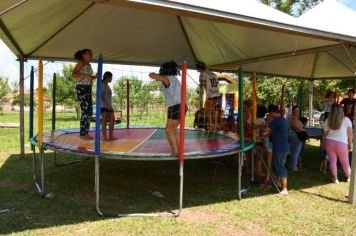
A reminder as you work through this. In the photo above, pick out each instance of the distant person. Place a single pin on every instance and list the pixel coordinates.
(260, 148)
(296, 144)
(329, 100)
(337, 140)
(279, 132)
(268, 148)
(210, 83)
(171, 87)
(304, 121)
(107, 112)
(83, 74)
(349, 104)
(247, 118)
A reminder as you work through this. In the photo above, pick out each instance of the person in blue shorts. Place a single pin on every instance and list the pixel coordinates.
(279, 132)
(171, 88)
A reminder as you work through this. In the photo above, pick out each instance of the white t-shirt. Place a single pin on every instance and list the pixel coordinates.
(172, 94)
(212, 84)
(339, 135)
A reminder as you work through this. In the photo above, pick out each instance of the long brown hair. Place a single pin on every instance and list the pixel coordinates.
(336, 117)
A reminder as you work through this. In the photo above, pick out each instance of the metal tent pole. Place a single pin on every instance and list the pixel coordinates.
(352, 190)
(22, 107)
(310, 93)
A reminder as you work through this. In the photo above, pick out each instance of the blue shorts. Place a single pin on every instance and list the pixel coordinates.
(279, 163)
(173, 112)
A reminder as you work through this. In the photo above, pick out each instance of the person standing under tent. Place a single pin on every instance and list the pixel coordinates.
(171, 87)
(349, 104)
(279, 132)
(329, 100)
(83, 74)
(107, 112)
(337, 141)
(209, 82)
(260, 148)
(296, 144)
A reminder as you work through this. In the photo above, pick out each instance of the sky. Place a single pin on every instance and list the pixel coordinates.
(9, 66)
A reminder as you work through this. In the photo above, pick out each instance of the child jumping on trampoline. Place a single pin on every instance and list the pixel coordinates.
(107, 112)
(83, 74)
(171, 87)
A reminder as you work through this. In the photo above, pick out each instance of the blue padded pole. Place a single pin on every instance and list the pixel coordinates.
(241, 110)
(98, 105)
(32, 79)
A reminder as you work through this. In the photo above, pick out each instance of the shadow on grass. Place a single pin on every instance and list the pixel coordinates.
(126, 187)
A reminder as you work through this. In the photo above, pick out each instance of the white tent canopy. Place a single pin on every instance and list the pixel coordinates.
(151, 32)
(335, 62)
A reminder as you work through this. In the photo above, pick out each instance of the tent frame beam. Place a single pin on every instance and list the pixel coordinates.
(13, 7)
(62, 28)
(187, 10)
(280, 55)
(11, 38)
(186, 37)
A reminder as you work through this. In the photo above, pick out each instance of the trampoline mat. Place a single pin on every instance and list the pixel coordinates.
(144, 142)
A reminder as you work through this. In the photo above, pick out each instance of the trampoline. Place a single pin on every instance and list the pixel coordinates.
(144, 143)
(133, 143)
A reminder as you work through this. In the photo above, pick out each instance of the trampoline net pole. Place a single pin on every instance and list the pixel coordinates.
(241, 110)
(127, 104)
(54, 87)
(40, 104)
(32, 78)
(98, 105)
(254, 107)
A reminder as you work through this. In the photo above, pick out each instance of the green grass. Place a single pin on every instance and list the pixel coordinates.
(314, 207)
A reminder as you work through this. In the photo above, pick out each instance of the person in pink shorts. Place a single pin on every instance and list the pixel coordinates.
(337, 140)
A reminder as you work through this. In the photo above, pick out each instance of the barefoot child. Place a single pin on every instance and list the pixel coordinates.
(172, 92)
(83, 74)
(107, 112)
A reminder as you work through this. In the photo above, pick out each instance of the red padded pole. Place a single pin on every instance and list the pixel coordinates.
(182, 112)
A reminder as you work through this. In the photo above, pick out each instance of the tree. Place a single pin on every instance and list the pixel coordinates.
(4, 90)
(292, 7)
(65, 88)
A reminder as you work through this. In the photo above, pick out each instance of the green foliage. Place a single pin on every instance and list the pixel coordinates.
(16, 100)
(141, 94)
(4, 90)
(65, 88)
(292, 7)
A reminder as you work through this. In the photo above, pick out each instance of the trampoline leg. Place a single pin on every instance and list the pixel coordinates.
(39, 186)
(239, 170)
(181, 180)
(239, 180)
(97, 188)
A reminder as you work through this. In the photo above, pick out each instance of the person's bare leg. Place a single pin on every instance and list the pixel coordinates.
(269, 164)
(259, 152)
(171, 127)
(111, 126)
(103, 125)
(284, 185)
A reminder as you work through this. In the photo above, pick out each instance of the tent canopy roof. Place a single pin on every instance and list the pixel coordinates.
(220, 32)
(333, 62)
